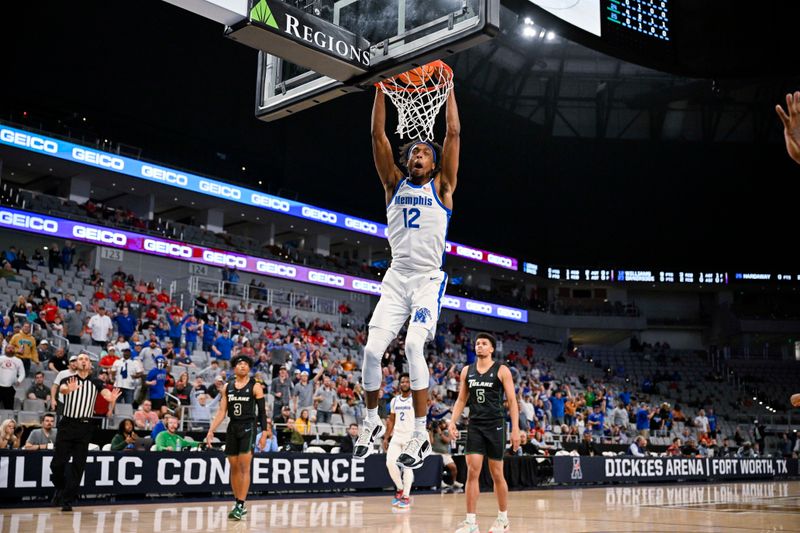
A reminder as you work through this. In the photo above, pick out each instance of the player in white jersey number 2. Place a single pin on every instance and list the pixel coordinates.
(400, 427)
(418, 208)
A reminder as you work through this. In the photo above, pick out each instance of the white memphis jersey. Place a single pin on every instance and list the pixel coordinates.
(403, 409)
(417, 228)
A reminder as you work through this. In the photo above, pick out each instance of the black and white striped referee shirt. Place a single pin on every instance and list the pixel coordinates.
(80, 403)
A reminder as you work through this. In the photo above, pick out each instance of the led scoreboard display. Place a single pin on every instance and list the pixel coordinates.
(650, 18)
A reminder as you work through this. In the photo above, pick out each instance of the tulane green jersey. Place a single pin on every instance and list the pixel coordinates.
(485, 394)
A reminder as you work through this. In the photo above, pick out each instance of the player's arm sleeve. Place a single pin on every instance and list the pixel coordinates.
(262, 408)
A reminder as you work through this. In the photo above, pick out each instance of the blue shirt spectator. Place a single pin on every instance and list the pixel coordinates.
(157, 379)
(712, 421)
(209, 332)
(596, 418)
(175, 328)
(625, 398)
(64, 303)
(557, 407)
(223, 346)
(126, 324)
(191, 329)
(642, 419)
(272, 444)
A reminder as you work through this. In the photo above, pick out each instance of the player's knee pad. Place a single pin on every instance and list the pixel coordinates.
(415, 354)
(377, 342)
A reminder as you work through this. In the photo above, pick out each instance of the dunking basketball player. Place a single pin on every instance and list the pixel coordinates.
(400, 427)
(482, 386)
(418, 208)
(241, 396)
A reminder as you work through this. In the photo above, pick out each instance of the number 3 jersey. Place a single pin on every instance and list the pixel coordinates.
(241, 402)
(417, 227)
(485, 394)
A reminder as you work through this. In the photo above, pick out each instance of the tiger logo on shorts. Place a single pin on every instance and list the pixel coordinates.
(422, 315)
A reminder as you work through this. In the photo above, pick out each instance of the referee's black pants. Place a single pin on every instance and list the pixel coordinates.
(72, 440)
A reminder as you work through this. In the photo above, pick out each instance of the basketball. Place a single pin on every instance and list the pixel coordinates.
(420, 75)
(795, 399)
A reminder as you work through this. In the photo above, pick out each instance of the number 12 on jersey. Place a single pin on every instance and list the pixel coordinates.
(410, 216)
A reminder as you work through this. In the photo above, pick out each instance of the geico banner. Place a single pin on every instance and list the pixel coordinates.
(27, 473)
(572, 469)
(135, 242)
(218, 189)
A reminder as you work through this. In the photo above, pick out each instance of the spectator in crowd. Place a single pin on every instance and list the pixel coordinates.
(222, 348)
(126, 374)
(349, 440)
(101, 406)
(638, 447)
(58, 361)
(557, 407)
(183, 389)
(595, 422)
(10, 435)
(303, 392)
(156, 382)
(75, 323)
(302, 423)
(125, 438)
(12, 373)
(327, 401)
(712, 423)
(126, 323)
(674, 449)
(272, 440)
(759, 434)
(45, 437)
(24, 346)
(202, 410)
(191, 330)
(689, 448)
(281, 389)
(295, 441)
(149, 353)
(747, 450)
(587, 447)
(145, 417)
(101, 327)
(169, 440)
(701, 422)
(38, 390)
(643, 415)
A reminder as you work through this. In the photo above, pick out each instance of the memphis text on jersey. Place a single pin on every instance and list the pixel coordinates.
(413, 200)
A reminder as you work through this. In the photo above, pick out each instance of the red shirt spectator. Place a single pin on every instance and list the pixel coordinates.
(118, 283)
(50, 311)
(99, 295)
(152, 313)
(114, 296)
(222, 304)
(163, 297)
(128, 296)
(175, 311)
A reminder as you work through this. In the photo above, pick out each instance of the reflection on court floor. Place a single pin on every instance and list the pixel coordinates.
(773, 506)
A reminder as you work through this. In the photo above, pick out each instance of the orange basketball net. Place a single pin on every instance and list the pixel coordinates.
(418, 95)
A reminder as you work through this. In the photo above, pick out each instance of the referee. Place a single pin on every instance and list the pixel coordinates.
(75, 430)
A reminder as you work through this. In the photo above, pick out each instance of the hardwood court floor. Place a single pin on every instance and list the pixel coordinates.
(767, 506)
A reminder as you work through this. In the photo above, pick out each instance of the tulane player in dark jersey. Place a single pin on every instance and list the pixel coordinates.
(239, 400)
(483, 384)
